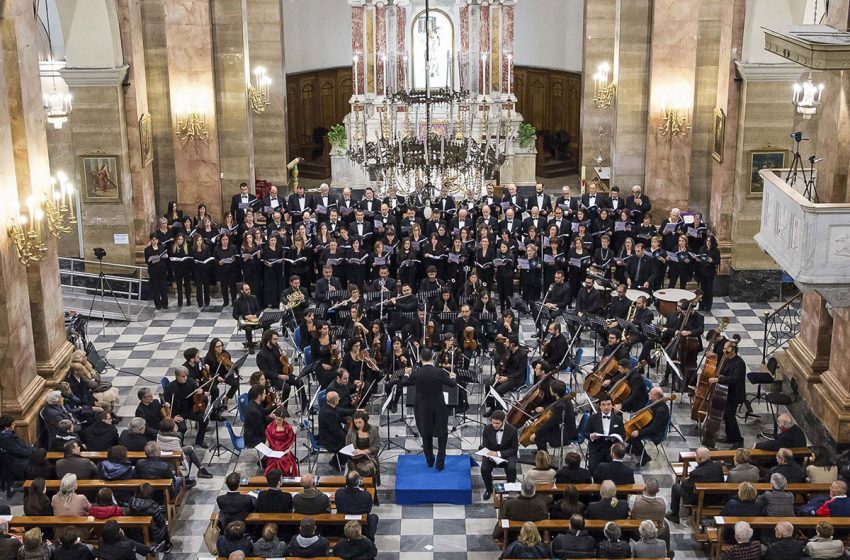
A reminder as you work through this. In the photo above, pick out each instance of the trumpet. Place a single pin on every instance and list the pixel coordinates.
(630, 315)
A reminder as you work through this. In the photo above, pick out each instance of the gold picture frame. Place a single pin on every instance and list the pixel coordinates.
(146, 139)
(718, 135)
(764, 159)
(101, 178)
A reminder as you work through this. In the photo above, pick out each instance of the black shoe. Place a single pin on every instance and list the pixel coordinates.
(488, 413)
(664, 383)
(441, 466)
(674, 518)
(722, 439)
(202, 445)
(204, 473)
(487, 495)
(168, 547)
(190, 483)
(430, 462)
(735, 444)
(646, 459)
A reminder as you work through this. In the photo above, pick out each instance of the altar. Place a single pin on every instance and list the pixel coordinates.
(433, 100)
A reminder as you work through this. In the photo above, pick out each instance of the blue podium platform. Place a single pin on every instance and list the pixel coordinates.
(416, 484)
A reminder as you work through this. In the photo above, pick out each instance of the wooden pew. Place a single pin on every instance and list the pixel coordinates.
(549, 526)
(318, 558)
(294, 519)
(807, 523)
(728, 455)
(142, 522)
(175, 457)
(259, 483)
(702, 489)
(329, 491)
(558, 489)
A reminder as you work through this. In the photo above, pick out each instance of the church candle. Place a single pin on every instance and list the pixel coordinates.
(355, 75)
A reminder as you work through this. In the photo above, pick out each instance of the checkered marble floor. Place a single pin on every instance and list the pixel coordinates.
(140, 354)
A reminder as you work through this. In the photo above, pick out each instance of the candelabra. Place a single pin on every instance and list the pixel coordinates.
(806, 97)
(603, 88)
(258, 91)
(58, 206)
(25, 232)
(192, 121)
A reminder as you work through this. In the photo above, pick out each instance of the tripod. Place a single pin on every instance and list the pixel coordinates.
(100, 292)
(798, 169)
(219, 448)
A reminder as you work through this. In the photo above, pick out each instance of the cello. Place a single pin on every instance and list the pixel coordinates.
(685, 348)
(643, 417)
(604, 370)
(621, 390)
(717, 397)
(522, 411)
(542, 418)
(709, 371)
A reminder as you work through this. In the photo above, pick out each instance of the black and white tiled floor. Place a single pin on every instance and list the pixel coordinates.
(142, 352)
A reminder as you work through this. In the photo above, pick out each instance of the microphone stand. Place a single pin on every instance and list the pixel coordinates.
(540, 312)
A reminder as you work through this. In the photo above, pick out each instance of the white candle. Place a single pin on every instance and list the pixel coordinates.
(400, 153)
(405, 72)
(510, 71)
(384, 59)
(355, 75)
(483, 73)
(442, 151)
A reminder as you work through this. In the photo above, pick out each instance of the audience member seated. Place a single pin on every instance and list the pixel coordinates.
(786, 546)
(272, 499)
(104, 393)
(14, 452)
(528, 544)
(307, 544)
(744, 504)
(820, 467)
(354, 546)
(135, 436)
(237, 555)
(115, 546)
(615, 470)
(787, 467)
(70, 547)
(53, 412)
(743, 471)
(116, 466)
(67, 432)
(39, 466)
(705, 471)
(82, 468)
(234, 538)
(104, 505)
(609, 507)
(838, 505)
(310, 501)
(542, 473)
(36, 501)
(153, 467)
(823, 545)
(568, 505)
(232, 505)
(67, 502)
(649, 545)
(572, 472)
(528, 506)
(613, 546)
(9, 545)
(744, 548)
(268, 545)
(575, 543)
(143, 503)
(353, 500)
(789, 435)
(34, 546)
(101, 435)
(649, 505)
(169, 439)
(776, 502)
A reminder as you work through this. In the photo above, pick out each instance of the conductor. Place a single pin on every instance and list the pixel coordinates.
(432, 414)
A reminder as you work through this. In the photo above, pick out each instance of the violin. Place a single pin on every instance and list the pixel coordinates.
(335, 359)
(199, 403)
(271, 400)
(469, 342)
(165, 410)
(376, 348)
(430, 332)
(286, 367)
(225, 360)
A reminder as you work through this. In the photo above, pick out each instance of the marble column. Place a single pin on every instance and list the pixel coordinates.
(600, 17)
(189, 53)
(673, 57)
(27, 126)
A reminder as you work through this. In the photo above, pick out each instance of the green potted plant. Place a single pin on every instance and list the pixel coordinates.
(526, 135)
(337, 138)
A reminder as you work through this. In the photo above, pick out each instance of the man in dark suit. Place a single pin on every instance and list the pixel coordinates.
(256, 420)
(705, 471)
(331, 432)
(560, 429)
(559, 294)
(351, 499)
(733, 375)
(324, 201)
(512, 377)
(500, 438)
(605, 428)
(589, 299)
(537, 220)
(640, 272)
(464, 320)
(327, 283)
(445, 204)
(234, 506)
(516, 202)
(432, 414)
(566, 202)
(638, 204)
(592, 201)
(346, 206)
(369, 204)
(511, 224)
(788, 435)
(653, 431)
(541, 200)
(787, 467)
(615, 203)
(241, 202)
(272, 499)
(615, 470)
(486, 219)
(247, 307)
(555, 350)
(360, 227)
(298, 203)
(383, 283)
(572, 472)
(272, 202)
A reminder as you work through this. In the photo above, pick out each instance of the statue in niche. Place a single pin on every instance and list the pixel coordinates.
(439, 30)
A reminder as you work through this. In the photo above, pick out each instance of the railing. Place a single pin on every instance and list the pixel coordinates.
(124, 281)
(781, 325)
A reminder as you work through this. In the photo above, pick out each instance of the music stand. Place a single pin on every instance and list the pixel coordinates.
(385, 411)
(219, 448)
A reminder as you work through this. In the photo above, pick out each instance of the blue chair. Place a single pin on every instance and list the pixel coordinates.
(322, 398)
(313, 446)
(308, 356)
(633, 362)
(583, 424)
(296, 336)
(659, 444)
(241, 404)
(164, 382)
(238, 443)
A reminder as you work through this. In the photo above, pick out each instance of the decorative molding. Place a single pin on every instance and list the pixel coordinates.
(761, 72)
(88, 77)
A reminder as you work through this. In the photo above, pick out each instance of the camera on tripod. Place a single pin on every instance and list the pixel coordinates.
(798, 136)
(99, 253)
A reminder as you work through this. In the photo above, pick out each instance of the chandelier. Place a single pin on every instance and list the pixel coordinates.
(58, 206)
(57, 104)
(258, 91)
(25, 231)
(807, 97)
(462, 142)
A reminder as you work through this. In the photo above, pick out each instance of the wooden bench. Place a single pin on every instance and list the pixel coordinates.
(807, 523)
(549, 526)
(260, 483)
(702, 489)
(322, 520)
(92, 486)
(728, 456)
(329, 491)
(582, 489)
(173, 457)
(142, 522)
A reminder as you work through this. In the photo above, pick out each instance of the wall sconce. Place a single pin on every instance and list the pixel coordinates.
(603, 88)
(58, 206)
(57, 105)
(192, 121)
(806, 97)
(258, 91)
(674, 115)
(24, 229)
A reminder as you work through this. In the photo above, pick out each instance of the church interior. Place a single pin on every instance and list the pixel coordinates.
(258, 256)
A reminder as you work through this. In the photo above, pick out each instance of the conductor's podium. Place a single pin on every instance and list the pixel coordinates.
(416, 484)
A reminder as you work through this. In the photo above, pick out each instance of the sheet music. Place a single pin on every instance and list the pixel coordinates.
(484, 452)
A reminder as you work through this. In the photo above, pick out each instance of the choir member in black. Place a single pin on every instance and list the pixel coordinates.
(504, 265)
(653, 431)
(645, 230)
(298, 261)
(174, 215)
(623, 258)
(577, 263)
(180, 393)
(202, 270)
(271, 258)
(231, 228)
(486, 219)
(227, 271)
(434, 254)
(560, 428)
(247, 225)
(324, 203)
(208, 231)
(327, 283)
(556, 348)
(531, 278)
(381, 256)
(484, 256)
(708, 260)
(360, 228)
(216, 362)
(566, 202)
(166, 235)
(562, 224)
(485, 305)
(671, 228)
(623, 228)
(275, 224)
(641, 270)
(369, 204)
(246, 311)
(588, 299)
(638, 204)
(299, 202)
(156, 257)
(188, 227)
(603, 224)
(734, 376)
(201, 215)
(553, 260)
(272, 202)
(407, 259)
(321, 239)
(431, 411)
(605, 428)
(500, 439)
(358, 262)
(361, 367)
(633, 377)
(619, 305)
(615, 346)
(181, 266)
(335, 256)
(697, 233)
(681, 266)
(456, 262)
(603, 258)
(516, 202)
(325, 355)
(512, 375)
(674, 326)
(592, 201)
(346, 206)
(242, 202)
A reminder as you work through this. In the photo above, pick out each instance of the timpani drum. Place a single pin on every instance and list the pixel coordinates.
(666, 300)
(633, 295)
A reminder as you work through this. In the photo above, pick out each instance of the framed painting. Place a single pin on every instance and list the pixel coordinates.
(100, 178)
(764, 159)
(719, 135)
(146, 139)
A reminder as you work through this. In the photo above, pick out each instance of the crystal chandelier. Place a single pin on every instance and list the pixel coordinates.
(450, 156)
(57, 104)
(807, 97)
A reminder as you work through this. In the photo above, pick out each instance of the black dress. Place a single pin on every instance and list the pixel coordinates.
(202, 269)
(271, 260)
(252, 271)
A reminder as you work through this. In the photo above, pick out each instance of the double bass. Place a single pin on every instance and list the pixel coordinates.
(685, 348)
(717, 397)
(709, 372)
(522, 411)
(643, 417)
(542, 418)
